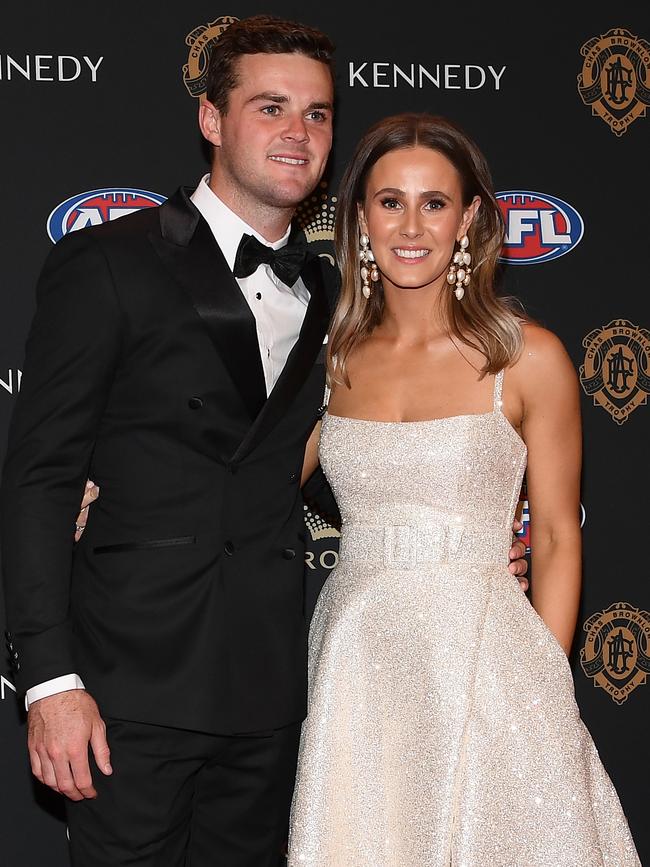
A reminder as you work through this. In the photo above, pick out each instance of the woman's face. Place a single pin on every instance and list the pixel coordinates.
(413, 214)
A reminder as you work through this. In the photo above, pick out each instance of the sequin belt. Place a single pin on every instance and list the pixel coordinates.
(405, 546)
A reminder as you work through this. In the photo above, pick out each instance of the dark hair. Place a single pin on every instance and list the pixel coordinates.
(484, 321)
(260, 34)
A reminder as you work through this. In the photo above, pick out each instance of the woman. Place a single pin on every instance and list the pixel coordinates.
(442, 726)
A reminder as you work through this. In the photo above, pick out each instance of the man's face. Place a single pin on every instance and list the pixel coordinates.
(272, 144)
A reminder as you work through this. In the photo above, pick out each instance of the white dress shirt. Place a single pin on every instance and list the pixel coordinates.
(279, 312)
(278, 309)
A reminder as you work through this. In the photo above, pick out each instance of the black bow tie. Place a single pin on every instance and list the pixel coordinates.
(286, 263)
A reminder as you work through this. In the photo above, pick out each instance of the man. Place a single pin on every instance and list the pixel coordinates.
(184, 376)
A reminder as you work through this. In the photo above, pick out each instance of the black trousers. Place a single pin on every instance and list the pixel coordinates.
(186, 799)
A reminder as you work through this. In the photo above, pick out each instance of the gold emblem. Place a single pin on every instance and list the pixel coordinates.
(616, 368)
(200, 42)
(615, 78)
(316, 216)
(615, 654)
(318, 527)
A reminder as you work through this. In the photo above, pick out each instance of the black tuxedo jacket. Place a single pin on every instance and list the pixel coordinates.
(182, 604)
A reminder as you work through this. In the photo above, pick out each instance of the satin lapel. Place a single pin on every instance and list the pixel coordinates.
(300, 361)
(189, 251)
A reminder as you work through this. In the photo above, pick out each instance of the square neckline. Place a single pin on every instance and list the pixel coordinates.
(496, 410)
(429, 421)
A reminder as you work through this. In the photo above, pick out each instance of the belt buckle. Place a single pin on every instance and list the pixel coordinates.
(400, 546)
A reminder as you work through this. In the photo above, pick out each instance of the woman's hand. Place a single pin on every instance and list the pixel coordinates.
(91, 493)
(518, 566)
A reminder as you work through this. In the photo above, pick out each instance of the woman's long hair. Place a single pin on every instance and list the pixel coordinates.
(482, 320)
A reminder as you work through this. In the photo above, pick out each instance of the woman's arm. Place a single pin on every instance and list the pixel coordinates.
(551, 429)
(311, 454)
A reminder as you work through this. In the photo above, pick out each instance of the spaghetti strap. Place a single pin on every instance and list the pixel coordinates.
(328, 391)
(326, 395)
(498, 392)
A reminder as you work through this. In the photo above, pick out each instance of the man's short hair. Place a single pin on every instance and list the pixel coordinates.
(260, 34)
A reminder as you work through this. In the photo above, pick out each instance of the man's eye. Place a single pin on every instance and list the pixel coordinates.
(317, 115)
(270, 109)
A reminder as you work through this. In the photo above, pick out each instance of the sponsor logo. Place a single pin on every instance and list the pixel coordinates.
(615, 654)
(49, 67)
(539, 227)
(98, 206)
(523, 514)
(319, 529)
(318, 526)
(616, 368)
(200, 42)
(5, 685)
(10, 381)
(316, 216)
(615, 77)
(448, 76)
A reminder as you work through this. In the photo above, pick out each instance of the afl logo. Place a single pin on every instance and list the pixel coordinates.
(97, 206)
(539, 227)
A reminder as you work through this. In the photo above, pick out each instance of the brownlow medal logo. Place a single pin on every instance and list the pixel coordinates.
(201, 41)
(615, 78)
(616, 368)
(615, 654)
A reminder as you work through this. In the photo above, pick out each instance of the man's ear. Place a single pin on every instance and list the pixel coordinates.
(210, 122)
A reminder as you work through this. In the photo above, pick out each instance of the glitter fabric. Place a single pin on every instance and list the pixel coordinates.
(442, 729)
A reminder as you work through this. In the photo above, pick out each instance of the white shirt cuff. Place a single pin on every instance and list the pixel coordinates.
(52, 687)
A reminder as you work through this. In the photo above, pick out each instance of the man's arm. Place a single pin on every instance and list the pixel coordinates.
(71, 354)
(65, 682)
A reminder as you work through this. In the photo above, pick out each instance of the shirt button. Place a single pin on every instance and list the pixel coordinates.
(195, 403)
(288, 553)
(229, 548)
(258, 295)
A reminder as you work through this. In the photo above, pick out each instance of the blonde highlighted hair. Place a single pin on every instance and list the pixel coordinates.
(482, 320)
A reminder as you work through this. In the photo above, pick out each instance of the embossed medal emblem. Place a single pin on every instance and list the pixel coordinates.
(615, 78)
(200, 42)
(616, 368)
(616, 648)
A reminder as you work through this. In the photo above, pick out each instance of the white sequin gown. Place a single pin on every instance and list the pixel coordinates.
(442, 728)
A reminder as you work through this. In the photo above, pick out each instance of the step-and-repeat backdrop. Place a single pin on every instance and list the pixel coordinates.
(99, 118)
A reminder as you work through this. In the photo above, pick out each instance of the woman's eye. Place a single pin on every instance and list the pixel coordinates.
(435, 204)
(391, 204)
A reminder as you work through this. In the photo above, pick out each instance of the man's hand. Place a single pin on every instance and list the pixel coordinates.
(90, 495)
(60, 727)
(518, 566)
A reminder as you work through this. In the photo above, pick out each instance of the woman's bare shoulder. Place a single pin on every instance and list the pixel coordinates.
(544, 362)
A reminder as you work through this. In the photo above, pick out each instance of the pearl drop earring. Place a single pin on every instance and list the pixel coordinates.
(368, 267)
(459, 270)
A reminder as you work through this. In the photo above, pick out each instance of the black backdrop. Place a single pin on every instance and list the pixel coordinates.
(94, 98)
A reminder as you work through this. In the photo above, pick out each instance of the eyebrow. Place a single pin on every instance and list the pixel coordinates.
(424, 194)
(280, 99)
